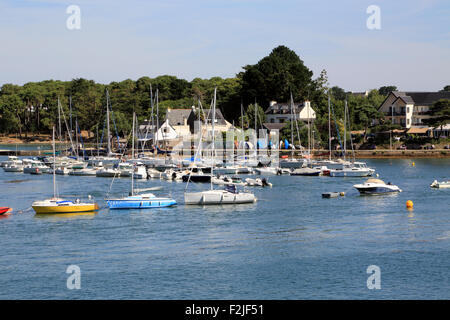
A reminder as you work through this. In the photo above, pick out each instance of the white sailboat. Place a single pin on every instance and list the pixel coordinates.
(230, 195)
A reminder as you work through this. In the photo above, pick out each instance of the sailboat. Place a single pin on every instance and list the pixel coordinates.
(58, 205)
(292, 162)
(139, 201)
(229, 195)
(353, 169)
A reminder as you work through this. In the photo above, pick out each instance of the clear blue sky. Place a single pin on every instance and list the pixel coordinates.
(205, 38)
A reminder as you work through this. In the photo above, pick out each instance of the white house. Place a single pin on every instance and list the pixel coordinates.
(281, 112)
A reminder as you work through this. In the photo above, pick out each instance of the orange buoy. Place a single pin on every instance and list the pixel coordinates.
(409, 204)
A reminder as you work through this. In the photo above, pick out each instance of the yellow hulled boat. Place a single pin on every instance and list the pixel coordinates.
(57, 205)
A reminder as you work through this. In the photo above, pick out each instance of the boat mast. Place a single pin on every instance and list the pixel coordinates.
(59, 119)
(213, 135)
(107, 123)
(132, 157)
(292, 126)
(54, 163)
(329, 126)
(345, 129)
(157, 119)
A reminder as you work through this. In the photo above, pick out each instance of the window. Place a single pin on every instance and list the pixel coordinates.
(407, 121)
(407, 110)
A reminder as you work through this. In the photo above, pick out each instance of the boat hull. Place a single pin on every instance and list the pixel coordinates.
(140, 204)
(65, 209)
(207, 198)
(376, 190)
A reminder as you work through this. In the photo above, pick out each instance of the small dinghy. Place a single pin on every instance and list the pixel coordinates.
(329, 195)
(4, 211)
(258, 182)
(440, 185)
(376, 186)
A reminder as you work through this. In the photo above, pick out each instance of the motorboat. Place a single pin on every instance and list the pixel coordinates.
(125, 169)
(108, 172)
(141, 201)
(11, 160)
(355, 169)
(84, 172)
(13, 167)
(306, 172)
(376, 186)
(229, 195)
(440, 185)
(35, 167)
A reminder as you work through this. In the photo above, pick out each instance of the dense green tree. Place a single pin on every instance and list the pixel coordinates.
(440, 110)
(275, 76)
(248, 118)
(385, 90)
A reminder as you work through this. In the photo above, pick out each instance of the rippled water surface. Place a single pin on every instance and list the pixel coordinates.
(291, 244)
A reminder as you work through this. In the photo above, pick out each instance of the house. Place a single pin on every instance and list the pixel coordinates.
(181, 123)
(409, 109)
(281, 112)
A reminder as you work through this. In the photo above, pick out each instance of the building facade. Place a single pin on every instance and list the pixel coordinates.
(281, 112)
(409, 109)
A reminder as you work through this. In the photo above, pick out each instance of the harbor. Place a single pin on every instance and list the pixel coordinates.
(310, 247)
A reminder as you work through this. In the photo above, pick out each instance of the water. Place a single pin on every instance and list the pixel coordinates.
(291, 244)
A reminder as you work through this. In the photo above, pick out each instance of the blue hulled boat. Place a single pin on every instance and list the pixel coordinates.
(141, 201)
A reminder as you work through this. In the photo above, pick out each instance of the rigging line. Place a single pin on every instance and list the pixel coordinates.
(198, 148)
(120, 159)
(337, 127)
(67, 127)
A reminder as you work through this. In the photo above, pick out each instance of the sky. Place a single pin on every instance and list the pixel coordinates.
(121, 40)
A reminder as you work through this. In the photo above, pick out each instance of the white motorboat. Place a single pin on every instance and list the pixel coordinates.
(376, 186)
(108, 172)
(440, 185)
(125, 169)
(11, 160)
(35, 167)
(14, 167)
(356, 169)
(84, 172)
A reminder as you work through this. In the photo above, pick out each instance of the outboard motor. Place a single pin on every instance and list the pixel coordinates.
(264, 182)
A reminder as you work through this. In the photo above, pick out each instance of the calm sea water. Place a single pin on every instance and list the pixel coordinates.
(291, 244)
